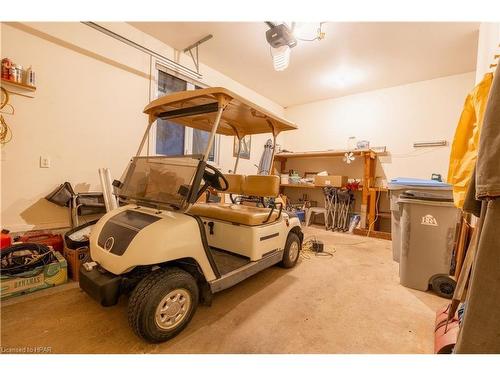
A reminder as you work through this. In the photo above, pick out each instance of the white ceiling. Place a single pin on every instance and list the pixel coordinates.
(353, 57)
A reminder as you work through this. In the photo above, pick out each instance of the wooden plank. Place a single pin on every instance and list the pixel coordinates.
(307, 186)
(386, 215)
(462, 245)
(283, 165)
(322, 154)
(463, 276)
(372, 210)
(19, 85)
(366, 200)
(372, 233)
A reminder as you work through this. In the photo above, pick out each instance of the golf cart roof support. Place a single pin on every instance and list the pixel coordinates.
(237, 156)
(272, 124)
(222, 102)
(145, 136)
(272, 156)
(241, 117)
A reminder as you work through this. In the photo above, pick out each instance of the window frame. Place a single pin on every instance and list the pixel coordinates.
(191, 84)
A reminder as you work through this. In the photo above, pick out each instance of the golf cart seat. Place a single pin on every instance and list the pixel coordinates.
(254, 185)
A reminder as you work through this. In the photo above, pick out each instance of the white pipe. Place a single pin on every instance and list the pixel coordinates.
(165, 60)
(113, 204)
(237, 156)
(271, 165)
(104, 189)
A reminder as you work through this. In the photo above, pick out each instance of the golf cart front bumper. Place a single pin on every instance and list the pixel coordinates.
(101, 285)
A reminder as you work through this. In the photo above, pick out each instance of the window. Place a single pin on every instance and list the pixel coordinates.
(173, 139)
(170, 137)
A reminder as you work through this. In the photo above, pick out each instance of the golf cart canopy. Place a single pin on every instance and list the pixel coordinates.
(198, 109)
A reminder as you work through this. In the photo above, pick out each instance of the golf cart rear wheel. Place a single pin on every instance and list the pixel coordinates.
(443, 286)
(292, 251)
(162, 304)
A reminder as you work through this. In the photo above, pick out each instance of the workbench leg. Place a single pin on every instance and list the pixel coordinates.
(372, 210)
(368, 178)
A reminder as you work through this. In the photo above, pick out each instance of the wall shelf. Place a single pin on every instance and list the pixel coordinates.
(19, 85)
(323, 154)
(308, 186)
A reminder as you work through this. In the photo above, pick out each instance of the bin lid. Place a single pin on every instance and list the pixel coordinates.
(425, 196)
(399, 183)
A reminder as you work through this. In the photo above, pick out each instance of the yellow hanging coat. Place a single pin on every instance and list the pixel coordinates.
(466, 141)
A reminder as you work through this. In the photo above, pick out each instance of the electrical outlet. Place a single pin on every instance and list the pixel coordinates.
(44, 162)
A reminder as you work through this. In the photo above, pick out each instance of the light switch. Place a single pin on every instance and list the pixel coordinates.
(44, 162)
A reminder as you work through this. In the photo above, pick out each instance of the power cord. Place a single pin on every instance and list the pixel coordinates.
(308, 249)
(5, 131)
(24, 257)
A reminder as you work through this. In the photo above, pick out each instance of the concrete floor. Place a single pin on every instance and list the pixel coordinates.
(350, 303)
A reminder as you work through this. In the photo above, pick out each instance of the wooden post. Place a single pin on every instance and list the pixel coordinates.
(371, 211)
(368, 178)
(283, 165)
(463, 238)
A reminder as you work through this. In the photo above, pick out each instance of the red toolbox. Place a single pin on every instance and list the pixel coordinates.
(46, 238)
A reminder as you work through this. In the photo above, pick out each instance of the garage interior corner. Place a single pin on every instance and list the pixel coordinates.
(336, 194)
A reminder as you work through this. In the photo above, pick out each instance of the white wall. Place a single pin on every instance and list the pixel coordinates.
(393, 117)
(86, 114)
(488, 46)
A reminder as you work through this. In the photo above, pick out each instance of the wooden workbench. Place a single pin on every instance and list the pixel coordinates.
(369, 191)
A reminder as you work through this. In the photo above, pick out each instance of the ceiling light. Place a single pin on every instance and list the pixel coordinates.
(344, 77)
(281, 38)
(281, 57)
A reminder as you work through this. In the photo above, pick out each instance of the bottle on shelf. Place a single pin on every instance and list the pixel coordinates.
(30, 77)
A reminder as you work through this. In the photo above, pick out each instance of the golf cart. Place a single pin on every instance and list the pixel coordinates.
(166, 247)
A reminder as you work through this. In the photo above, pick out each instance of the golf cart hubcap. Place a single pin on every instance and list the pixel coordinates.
(172, 309)
(294, 251)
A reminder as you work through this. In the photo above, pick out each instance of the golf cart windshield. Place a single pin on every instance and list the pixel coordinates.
(159, 180)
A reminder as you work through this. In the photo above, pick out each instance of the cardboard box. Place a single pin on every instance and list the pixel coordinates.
(38, 278)
(335, 181)
(75, 258)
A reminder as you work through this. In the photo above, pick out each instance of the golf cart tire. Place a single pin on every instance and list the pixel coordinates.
(286, 261)
(148, 294)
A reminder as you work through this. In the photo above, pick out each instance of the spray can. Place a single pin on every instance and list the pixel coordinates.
(19, 73)
(30, 77)
(12, 73)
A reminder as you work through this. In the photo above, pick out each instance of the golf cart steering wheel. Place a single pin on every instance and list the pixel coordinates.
(213, 178)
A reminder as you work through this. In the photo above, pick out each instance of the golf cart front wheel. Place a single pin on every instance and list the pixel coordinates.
(162, 304)
(292, 251)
